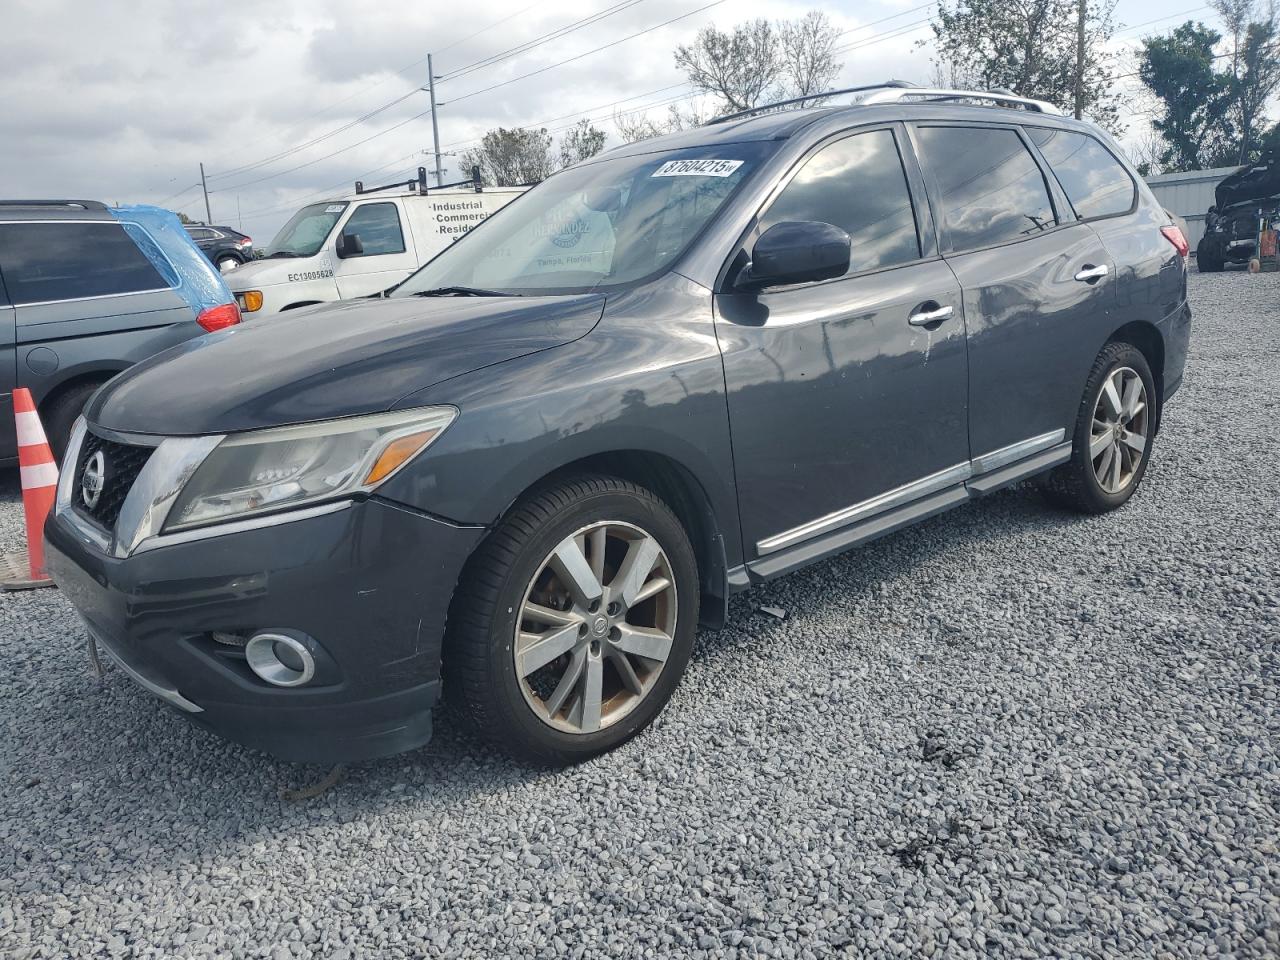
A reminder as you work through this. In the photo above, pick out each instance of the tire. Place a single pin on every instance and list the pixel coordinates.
(1092, 483)
(60, 415)
(227, 264)
(514, 571)
(1208, 263)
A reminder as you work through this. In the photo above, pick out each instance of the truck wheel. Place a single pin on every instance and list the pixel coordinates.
(574, 621)
(60, 416)
(1207, 263)
(1114, 431)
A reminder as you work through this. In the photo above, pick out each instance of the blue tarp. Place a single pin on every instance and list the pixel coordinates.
(160, 235)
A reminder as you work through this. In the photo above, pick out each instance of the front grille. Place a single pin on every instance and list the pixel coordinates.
(121, 464)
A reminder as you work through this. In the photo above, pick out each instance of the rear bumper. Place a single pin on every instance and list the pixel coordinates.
(369, 585)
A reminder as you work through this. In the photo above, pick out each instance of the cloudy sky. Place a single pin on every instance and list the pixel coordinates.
(293, 100)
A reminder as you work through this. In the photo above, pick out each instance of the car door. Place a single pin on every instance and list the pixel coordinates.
(8, 372)
(846, 402)
(1038, 286)
(386, 258)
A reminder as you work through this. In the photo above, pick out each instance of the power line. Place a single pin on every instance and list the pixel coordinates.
(292, 205)
(580, 56)
(864, 26)
(539, 41)
(351, 146)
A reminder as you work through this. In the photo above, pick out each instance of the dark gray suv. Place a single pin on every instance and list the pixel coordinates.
(684, 367)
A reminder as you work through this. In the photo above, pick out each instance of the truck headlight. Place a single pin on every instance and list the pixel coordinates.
(284, 467)
(250, 301)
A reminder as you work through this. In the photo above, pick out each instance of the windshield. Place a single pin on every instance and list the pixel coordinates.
(304, 234)
(595, 226)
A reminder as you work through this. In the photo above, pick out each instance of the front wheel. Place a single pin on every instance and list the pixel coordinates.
(574, 621)
(1114, 431)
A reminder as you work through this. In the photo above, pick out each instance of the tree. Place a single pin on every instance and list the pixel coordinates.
(759, 61)
(1193, 100)
(808, 54)
(739, 67)
(1254, 66)
(636, 125)
(580, 142)
(510, 157)
(1030, 47)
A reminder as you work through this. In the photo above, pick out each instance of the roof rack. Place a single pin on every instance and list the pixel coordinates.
(420, 185)
(888, 84)
(899, 93)
(64, 204)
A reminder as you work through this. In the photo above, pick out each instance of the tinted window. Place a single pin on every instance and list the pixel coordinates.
(378, 225)
(63, 261)
(199, 233)
(858, 184)
(1094, 181)
(990, 189)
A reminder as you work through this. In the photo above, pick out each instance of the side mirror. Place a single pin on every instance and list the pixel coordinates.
(349, 245)
(797, 251)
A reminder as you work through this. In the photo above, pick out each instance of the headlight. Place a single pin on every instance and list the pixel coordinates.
(284, 467)
(250, 301)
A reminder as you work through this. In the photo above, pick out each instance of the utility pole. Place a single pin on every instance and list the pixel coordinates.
(1080, 19)
(435, 123)
(208, 217)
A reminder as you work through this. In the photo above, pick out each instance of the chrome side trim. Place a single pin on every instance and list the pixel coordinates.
(151, 686)
(996, 459)
(892, 498)
(253, 523)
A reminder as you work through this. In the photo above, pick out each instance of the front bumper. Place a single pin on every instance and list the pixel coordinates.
(369, 584)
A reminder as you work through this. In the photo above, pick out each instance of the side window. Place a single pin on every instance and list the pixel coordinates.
(1095, 182)
(200, 234)
(378, 225)
(66, 261)
(990, 188)
(857, 184)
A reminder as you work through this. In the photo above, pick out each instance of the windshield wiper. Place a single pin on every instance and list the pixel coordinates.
(461, 292)
(281, 253)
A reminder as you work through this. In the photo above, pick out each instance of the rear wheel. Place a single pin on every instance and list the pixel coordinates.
(1114, 431)
(1208, 263)
(574, 621)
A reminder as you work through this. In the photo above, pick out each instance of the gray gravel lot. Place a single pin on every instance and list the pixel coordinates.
(1009, 730)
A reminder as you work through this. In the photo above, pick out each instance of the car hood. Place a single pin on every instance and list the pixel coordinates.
(334, 360)
(1258, 181)
(264, 273)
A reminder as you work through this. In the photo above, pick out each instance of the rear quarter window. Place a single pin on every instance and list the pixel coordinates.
(60, 260)
(1094, 181)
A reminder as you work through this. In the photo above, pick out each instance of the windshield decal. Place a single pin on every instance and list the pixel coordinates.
(697, 168)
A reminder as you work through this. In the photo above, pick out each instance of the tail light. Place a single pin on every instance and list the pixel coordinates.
(246, 242)
(1174, 235)
(220, 317)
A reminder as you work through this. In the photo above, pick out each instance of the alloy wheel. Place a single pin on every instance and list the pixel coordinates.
(596, 627)
(1118, 437)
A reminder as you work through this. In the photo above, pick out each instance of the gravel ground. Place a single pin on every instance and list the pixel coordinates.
(1009, 730)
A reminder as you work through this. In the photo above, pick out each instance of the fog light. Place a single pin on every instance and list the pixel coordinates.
(281, 660)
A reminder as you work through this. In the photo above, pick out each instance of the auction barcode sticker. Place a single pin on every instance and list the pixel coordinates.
(697, 168)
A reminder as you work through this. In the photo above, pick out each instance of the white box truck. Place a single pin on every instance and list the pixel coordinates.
(361, 244)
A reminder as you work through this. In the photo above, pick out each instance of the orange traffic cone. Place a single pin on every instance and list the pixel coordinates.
(39, 487)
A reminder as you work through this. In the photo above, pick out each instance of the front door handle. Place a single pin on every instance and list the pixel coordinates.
(929, 313)
(1091, 274)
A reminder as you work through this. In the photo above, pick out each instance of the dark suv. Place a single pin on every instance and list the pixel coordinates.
(679, 369)
(225, 248)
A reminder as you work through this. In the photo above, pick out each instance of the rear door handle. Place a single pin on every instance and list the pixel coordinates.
(929, 313)
(1091, 274)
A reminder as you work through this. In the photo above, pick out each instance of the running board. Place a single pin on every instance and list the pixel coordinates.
(802, 554)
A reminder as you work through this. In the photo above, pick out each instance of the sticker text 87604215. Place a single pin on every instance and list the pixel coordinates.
(697, 168)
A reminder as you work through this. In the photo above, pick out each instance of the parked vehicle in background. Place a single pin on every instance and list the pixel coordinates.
(681, 368)
(1231, 225)
(361, 244)
(225, 248)
(86, 291)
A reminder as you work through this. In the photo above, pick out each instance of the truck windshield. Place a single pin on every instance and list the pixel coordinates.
(304, 234)
(596, 226)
